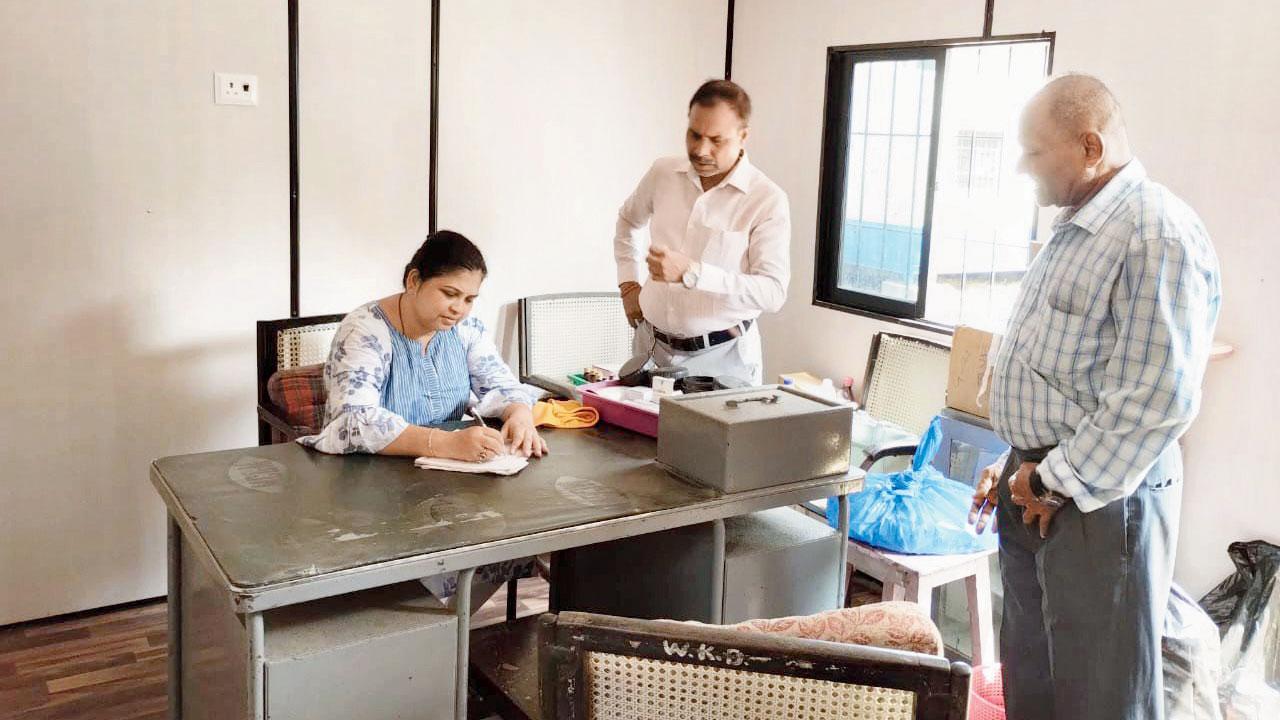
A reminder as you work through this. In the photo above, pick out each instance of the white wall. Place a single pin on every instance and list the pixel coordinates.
(550, 113)
(364, 112)
(1200, 99)
(143, 230)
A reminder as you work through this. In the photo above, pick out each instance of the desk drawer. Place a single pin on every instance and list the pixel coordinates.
(381, 654)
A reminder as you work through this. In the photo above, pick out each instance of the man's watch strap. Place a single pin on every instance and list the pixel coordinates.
(1043, 494)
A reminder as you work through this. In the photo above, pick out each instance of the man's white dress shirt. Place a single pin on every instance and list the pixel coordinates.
(740, 231)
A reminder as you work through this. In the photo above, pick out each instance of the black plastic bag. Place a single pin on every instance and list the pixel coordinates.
(1246, 609)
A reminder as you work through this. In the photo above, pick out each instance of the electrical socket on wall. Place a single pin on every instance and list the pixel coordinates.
(235, 89)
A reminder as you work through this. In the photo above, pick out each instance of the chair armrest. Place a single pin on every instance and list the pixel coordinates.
(274, 416)
(887, 451)
(552, 387)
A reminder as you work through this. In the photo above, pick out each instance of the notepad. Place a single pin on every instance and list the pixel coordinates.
(505, 464)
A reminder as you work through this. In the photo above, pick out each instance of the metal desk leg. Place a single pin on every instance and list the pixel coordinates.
(842, 529)
(513, 594)
(462, 599)
(174, 610)
(717, 571)
(257, 665)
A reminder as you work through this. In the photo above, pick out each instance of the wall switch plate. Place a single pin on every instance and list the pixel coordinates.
(235, 89)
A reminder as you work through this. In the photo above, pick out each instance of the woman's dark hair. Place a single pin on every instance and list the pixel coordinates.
(443, 252)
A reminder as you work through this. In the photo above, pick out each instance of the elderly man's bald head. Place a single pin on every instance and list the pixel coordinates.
(1078, 104)
(1073, 139)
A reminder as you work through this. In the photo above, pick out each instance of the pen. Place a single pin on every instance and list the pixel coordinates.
(480, 420)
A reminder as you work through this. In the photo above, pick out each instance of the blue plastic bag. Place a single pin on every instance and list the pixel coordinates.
(918, 511)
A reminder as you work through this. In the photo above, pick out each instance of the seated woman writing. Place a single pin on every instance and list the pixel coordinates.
(404, 364)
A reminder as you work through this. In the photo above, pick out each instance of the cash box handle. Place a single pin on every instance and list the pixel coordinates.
(764, 399)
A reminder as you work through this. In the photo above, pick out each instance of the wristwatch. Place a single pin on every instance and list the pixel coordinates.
(690, 277)
(1042, 494)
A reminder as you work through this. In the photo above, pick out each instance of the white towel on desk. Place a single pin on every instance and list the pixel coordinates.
(505, 464)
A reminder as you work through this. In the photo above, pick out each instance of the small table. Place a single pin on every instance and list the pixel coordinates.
(279, 525)
(913, 578)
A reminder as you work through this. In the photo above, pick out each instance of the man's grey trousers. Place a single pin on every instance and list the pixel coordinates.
(1084, 608)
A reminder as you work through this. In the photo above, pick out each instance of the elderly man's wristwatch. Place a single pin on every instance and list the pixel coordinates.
(690, 277)
(1042, 494)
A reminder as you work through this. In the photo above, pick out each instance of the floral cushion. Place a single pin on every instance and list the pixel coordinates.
(300, 394)
(893, 625)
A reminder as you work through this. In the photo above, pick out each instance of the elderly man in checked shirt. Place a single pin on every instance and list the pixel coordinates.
(1096, 379)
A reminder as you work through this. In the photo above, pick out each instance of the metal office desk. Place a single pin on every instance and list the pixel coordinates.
(280, 524)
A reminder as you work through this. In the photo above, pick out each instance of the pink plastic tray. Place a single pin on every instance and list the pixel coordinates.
(620, 414)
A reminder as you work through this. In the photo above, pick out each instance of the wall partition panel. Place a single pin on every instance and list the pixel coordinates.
(364, 84)
(550, 113)
(143, 230)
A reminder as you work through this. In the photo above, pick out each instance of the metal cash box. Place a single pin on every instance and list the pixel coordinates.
(743, 439)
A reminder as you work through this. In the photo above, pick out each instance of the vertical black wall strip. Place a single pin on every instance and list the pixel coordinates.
(434, 142)
(989, 18)
(728, 44)
(295, 305)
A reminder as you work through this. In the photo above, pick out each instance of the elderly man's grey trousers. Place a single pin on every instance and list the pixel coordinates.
(1084, 609)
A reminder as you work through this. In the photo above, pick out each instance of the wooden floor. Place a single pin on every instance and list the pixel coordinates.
(102, 665)
(113, 665)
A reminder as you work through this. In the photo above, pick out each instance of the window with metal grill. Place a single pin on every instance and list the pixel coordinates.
(922, 214)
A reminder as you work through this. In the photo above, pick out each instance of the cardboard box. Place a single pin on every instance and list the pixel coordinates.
(973, 353)
(800, 378)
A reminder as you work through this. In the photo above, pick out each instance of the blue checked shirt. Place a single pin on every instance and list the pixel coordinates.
(1108, 340)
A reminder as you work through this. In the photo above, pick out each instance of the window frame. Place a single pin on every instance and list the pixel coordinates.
(833, 171)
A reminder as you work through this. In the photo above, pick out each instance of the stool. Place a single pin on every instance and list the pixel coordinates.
(913, 578)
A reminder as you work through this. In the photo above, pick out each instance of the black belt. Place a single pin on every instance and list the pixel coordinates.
(1035, 455)
(702, 342)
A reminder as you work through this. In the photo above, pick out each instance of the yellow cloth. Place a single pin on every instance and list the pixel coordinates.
(564, 414)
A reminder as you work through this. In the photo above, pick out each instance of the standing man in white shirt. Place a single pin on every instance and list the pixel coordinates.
(718, 249)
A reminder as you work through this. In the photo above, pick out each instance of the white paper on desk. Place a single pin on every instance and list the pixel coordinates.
(505, 464)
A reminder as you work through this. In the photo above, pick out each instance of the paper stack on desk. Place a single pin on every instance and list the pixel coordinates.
(505, 464)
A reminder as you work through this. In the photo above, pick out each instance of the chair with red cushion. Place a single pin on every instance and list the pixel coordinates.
(291, 393)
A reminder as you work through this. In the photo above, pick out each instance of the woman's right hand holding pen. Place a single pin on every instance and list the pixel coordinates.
(474, 444)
